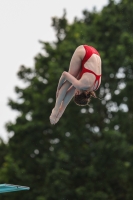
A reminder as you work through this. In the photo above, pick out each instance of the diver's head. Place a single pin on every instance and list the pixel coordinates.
(83, 98)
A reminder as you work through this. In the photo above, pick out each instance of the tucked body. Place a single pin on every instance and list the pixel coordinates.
(80, 82)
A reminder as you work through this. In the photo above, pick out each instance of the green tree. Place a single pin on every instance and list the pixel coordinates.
(88, 154)
(3, 151)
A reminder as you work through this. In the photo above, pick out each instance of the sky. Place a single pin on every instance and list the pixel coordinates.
(22, 24)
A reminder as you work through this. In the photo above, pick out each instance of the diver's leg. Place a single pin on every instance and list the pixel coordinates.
(74, 69)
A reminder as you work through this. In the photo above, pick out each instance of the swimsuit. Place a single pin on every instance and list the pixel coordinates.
(89, 52)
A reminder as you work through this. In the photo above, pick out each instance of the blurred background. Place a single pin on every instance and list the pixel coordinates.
(88, 154)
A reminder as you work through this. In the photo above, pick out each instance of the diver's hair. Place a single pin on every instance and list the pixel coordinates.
(83, 99)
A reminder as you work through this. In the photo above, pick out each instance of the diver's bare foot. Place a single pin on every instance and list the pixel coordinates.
(53, 116)
(56, 120)
(58, 116)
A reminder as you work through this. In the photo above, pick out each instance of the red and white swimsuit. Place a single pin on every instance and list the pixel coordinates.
(89, 52)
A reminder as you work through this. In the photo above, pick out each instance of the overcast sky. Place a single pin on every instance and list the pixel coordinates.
(22, 24)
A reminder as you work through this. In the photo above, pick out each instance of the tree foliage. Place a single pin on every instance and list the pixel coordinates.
(89, 153)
